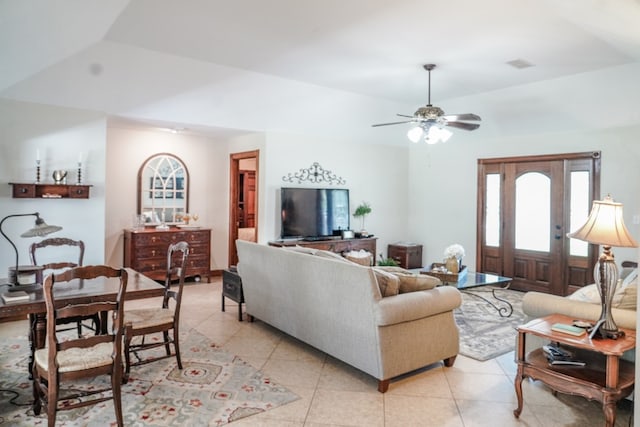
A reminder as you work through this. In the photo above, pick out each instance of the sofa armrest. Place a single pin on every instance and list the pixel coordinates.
(537, 304)
(416, 305)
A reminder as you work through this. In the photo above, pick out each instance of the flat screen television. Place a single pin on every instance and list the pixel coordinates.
(313, 212)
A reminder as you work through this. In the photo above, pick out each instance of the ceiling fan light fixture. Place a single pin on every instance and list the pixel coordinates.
(444, 134)
(415, 133)
(428, 122)
(437, 134)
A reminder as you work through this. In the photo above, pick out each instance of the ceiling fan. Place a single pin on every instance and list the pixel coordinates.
(430, 120)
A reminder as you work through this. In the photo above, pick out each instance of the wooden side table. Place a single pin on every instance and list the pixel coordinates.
(407, 255)
(605, 377)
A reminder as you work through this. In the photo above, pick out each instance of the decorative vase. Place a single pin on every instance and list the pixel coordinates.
(452, 264)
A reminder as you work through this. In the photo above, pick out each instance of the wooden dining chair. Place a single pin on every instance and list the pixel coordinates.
(65, 360)
(57, 244)
(147, 321)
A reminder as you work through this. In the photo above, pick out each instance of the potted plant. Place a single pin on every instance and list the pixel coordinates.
(387, 262)
(361, 212)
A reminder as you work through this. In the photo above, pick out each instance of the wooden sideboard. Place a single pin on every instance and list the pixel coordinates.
(145, 250)
(334, 245)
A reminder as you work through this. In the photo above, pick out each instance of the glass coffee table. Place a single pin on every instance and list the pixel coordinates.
(477, 284)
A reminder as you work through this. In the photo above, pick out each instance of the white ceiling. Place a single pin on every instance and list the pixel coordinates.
(331, 67)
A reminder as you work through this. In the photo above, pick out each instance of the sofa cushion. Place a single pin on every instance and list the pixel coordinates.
(391, 269)
(388, 283)
(318, 252)
(331, 255)
(301, 249)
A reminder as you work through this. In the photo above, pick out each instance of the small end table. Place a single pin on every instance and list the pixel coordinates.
(232, 289)
(605, 377)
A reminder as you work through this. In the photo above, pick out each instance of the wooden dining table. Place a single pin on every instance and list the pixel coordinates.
(139, 286)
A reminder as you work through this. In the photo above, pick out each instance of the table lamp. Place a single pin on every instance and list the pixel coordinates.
(605, 226)
(40, 229)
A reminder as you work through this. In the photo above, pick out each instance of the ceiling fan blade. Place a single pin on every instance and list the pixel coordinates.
(465, 126)
(463, 117)
(404, 115)
(392, 123)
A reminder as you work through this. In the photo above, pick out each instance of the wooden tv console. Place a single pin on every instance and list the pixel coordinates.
(334, 245)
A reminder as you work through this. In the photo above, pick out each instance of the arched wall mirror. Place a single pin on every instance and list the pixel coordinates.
(163, 189)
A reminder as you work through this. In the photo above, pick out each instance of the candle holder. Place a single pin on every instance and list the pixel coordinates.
(79, 178)
(37, 171)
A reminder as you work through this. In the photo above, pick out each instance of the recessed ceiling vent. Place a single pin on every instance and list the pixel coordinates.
(520, 63)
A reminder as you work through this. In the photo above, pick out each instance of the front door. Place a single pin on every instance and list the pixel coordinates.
(526, 206)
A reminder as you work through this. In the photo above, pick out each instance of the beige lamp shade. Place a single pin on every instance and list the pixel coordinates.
(605, 226)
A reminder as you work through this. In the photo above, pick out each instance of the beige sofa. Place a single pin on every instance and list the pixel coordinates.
(337, 307)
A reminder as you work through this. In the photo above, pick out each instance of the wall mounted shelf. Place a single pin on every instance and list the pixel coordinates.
(49, 191)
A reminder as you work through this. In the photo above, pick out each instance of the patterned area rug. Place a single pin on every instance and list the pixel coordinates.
(484, 334)
(213, 388)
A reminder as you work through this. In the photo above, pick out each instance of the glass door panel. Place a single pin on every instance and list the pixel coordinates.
(533, 212)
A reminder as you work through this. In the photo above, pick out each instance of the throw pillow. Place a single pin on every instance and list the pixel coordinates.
(624, 298)
(416, 282)
(410, 282)
(628, 297)
(387, 282)
(628, 276)
(587, 293)
(361, 257)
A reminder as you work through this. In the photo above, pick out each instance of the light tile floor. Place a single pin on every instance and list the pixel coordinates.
(469, 394)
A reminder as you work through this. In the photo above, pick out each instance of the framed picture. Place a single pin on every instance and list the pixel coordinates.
(151, 217)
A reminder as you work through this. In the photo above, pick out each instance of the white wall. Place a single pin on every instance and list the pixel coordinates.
(375, 174)
(59, 134)
(443, 181)
(208, 166)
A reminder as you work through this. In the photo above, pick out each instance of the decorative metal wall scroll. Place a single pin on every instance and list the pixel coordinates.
(315, 174)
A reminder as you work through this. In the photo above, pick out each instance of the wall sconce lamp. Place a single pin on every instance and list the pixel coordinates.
(605, 226)
(39, 229)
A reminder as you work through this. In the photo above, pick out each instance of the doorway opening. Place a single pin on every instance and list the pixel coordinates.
(243, 203)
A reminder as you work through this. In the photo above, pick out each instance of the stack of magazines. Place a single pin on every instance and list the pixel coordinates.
(560, 356)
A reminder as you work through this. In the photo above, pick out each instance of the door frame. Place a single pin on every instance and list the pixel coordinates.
(234, 189)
